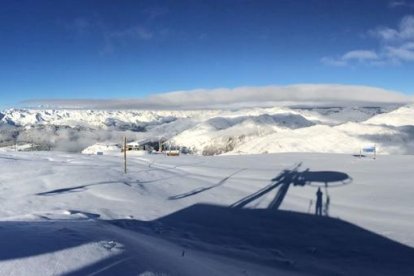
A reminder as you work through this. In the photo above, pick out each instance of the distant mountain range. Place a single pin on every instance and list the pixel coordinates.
(239, 131)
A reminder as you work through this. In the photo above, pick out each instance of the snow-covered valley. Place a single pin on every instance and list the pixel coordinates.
(73, 214)
(211, 132)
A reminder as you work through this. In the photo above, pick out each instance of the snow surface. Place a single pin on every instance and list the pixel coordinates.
(73, 214)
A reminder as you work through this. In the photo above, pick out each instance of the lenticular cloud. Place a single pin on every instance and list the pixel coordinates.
(319, 94)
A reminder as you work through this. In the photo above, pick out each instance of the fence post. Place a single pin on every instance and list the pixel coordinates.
(125, 156)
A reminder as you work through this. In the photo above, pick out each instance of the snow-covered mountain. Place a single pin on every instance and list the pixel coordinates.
(253, 130)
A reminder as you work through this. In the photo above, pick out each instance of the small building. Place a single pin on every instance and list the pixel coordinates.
(143, 145)
(154, 146)
(134, 146)
(172, 150)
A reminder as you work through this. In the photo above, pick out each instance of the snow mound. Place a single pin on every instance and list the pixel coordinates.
(403, 116)
(102, 148)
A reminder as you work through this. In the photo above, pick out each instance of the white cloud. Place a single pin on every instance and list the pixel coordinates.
(407, 28)
(401, 3)
(404, 32)
(303, 94)
(395, 46)
(360, 56)
(385, 33)
(394, 4)
(402, 53)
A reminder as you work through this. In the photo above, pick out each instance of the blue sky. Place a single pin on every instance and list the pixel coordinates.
(131, 49)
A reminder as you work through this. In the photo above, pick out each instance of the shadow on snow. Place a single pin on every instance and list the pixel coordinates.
(291, 241)
(294, 242)
(296, 178)
(200, 190)
(80, 188)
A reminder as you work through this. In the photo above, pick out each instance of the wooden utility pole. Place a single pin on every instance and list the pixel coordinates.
(125, 156)
(159, 146)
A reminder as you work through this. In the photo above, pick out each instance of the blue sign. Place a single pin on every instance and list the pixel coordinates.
(369, 149)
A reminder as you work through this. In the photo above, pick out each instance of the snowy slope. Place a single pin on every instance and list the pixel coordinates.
(221, 134)
(72, 214)
(403, 116)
